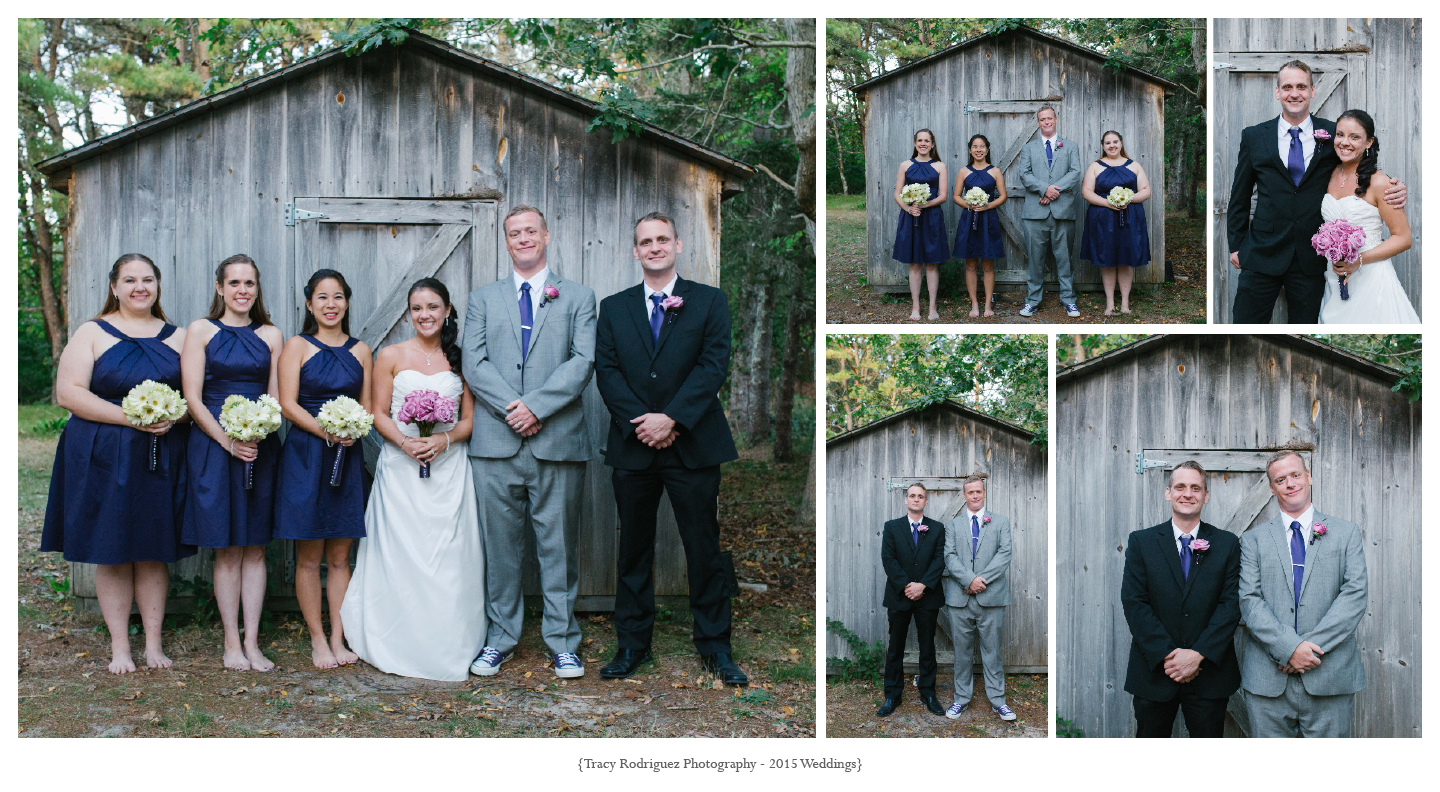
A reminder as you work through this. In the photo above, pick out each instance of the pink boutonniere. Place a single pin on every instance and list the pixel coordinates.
(1321, 134)
(1317, 531)
(672, 306)
(986, 520)
(1059, 144)
(550, 292)
(1199, 546)
(923, 528)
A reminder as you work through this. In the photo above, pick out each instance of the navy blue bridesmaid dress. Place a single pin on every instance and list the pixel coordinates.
(106, 506)
(308, 506)
(978, 235)
(923, 239)
(219, 511)
(1114, 238)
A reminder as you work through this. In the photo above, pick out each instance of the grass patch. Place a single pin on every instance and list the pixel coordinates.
(785, 672)
(33, 416)
(851, 203)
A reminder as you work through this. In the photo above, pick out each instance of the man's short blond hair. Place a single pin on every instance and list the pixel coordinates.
(1045, 107)
(1279, 455)
(520, 209)
(971, 479)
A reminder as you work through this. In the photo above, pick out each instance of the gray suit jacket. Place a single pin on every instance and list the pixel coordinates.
(549, 381)
(1333, 593)
(992, 561)
(1037, 176)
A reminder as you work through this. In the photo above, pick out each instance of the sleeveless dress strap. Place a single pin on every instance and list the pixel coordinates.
(1127, 163)
(352, 342)
(111, 329)
(166, 331)
(218, 323)
(314, 341)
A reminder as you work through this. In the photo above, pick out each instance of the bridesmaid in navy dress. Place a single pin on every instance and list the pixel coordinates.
(978, 237)
(920, 237)
(321, 363)
(106, 506)
(234, 350)
(1115, 240)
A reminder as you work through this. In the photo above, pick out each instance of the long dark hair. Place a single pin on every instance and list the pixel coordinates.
(217, 303)
(1370, 158)
(970, 156)
(312, 325)
(112, 303)
(934, 147)
(1122, 143)
(450, 330)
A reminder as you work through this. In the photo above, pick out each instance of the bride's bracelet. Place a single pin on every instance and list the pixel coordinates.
(447, 441)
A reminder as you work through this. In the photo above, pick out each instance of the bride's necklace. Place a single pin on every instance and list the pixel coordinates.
(427, 354)
(1344, 176)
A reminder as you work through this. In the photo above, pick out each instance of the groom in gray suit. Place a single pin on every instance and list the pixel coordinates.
(1302, 592)
(1050, 170)
(529, 352)
(977, 556)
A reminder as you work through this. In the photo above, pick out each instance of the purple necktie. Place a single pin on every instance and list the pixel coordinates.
(1297, 156)
(1185, 555)
(657, 315)
(1297, 564)
(915, 534)
(1049, 155)
(974, 537)
(527, 320)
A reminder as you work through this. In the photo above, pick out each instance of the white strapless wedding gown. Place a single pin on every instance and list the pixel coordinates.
(416, 603)
(1376, 296)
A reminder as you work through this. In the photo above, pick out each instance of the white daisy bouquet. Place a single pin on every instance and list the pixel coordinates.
(915, 194)
(1120, 197)
(248, 421)
(149, 403)
(976, 197)
(343, 417)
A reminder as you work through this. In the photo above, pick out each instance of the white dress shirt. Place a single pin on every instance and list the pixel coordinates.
(981, 516)
(1307, 524)
(537, 287)
(1179, 546)
(1052, 141)
(668, 291)
(1307, 139)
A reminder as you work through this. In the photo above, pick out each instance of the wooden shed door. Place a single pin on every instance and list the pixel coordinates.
(1240, 499)
(1244, 95)
(1008, 125)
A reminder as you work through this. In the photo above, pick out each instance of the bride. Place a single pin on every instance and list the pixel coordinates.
(416, 603)
(1376, 296)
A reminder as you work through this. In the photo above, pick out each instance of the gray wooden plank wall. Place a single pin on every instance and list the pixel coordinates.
(938, 442)
(1236, 392)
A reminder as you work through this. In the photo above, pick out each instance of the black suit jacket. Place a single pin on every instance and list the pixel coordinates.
(905, 563)
(679, 376)
(1286, 216)
(1166, 611)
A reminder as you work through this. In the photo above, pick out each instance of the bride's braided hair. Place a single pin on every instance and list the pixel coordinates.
(1370, 158)
(450, 330)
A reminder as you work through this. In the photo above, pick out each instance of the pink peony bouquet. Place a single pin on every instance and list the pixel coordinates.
(425, 409)
(1339, 240)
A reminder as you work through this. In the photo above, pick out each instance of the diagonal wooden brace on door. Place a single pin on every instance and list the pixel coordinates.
(391, 308)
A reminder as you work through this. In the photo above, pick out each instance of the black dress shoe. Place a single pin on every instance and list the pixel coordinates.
(887, 707)
(933, 704)
(723, 667)
(625, 663)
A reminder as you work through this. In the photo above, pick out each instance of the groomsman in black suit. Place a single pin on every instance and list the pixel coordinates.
(1181, 596)
(912, 551)
(662, 351)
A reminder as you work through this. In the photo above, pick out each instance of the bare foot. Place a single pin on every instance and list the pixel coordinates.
(154, 658)
(989, 311)
(122, 663)
(321, 655)
(914, 316)
(344, 656)
(258, 660)
(933, 316)
(235, 658)
(974, 311)
(1125, 309)
(1110, 311)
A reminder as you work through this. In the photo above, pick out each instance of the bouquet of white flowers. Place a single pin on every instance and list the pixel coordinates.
(1119, 198)
(151, 402)
(915, 194)
(343, 417)
(247, 421)
(975, 198)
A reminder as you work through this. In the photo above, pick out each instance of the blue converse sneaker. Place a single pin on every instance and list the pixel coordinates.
(567, 666)
(955, 709)
(489, 661)
(1005, 713)
(1071, 309)
(1028, 310)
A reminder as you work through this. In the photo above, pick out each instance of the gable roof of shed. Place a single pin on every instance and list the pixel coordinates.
(1020, 30)
(1302, 343)
(953, 406)
(59, 163)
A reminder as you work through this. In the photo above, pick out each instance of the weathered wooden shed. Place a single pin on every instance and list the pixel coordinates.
(1369, 64)
(389, 166)
(1125, 418)
(867, 471)
(993, 85)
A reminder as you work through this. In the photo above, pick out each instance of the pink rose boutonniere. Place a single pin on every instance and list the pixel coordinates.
(1199, 546)
(986, 520)
(1317, 531)
(672, 306)
(550, 292)
(1321, 134)
(923, 528)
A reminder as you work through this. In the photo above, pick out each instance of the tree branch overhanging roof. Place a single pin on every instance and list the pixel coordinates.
(968, 412)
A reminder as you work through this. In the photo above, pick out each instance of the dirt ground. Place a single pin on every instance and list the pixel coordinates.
(850, 710)
(66, 691)
(848, 300)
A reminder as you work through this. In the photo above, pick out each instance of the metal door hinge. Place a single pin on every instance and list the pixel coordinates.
(292, 214)
(1142, 464)
(1222, 66)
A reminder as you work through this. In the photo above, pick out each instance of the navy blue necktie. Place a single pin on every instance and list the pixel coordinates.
(1297, 156)
(915, 534)
(1297, 564)
(1185, 556)
(974, 537)
(657, 315)
(1049, 155)
(527, 320)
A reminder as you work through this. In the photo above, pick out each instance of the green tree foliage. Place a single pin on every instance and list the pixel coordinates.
(1076, 348)
(1400, 351)
(868, 377)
